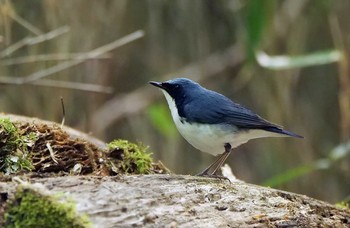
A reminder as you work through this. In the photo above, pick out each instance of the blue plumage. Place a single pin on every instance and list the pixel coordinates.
(199, 105)
(212, 122)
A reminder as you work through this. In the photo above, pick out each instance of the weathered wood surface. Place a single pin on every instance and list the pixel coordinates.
(187, 201)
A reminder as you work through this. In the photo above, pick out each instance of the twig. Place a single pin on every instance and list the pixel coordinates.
(11, 80)
(74, 85)
(34, 40)
(52, 155)
(34, 78)
(50, 57)
(63, 113)
(49, 36)
(24, 23)
(94, 53)
(59, 84)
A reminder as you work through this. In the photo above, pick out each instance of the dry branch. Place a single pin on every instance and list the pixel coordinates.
(37, 77)
(93, 53)
(50, 57)
(34, 40)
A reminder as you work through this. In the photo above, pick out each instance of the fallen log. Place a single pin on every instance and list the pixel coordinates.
(187, 201)
(163, 200)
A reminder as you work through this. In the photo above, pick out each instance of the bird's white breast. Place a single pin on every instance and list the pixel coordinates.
(211, 138)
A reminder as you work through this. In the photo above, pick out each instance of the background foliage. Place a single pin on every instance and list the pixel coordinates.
(287, 60)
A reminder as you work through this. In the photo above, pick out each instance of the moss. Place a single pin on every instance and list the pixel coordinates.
(14, 153)
(134, 157)
(30, 208)
(343, 205)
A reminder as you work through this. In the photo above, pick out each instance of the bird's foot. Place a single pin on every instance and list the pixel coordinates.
(213, 175)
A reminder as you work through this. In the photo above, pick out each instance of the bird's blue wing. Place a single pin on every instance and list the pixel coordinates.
(221, 110)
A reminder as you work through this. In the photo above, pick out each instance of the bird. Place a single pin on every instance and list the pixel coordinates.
(213, 123)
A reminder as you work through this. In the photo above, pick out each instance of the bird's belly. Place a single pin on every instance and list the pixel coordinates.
(212, 138)
(209, 138)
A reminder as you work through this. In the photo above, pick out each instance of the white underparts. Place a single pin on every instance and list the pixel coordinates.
(211, 138)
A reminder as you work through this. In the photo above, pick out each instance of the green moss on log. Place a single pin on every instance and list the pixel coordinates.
(31, 208)
(14, 148)
(134, 158)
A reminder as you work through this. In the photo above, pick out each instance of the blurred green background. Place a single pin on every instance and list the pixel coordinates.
(287, 60)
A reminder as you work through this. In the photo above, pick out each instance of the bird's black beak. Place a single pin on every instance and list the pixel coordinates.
(157, 84)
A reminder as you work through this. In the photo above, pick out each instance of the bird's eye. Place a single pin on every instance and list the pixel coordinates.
(177, 86)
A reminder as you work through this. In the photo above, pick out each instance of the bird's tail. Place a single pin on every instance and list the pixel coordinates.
(282, 131)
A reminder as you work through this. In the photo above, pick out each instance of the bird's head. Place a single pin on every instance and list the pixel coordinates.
(177, 88)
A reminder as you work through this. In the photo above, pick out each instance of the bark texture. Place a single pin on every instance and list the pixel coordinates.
(187, 201)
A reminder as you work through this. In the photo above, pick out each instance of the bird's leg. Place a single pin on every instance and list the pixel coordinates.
(223, 159)
(214, 164)
(217, 163)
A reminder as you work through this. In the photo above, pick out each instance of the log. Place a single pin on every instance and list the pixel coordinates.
(163, 200)
(188, 201)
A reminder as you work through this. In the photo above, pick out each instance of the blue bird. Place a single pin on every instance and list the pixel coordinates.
(211, 122)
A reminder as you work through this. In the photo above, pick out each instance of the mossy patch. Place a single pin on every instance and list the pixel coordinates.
(131, 157)
(14, 148)
(48, 150)
(343, 205)
(31, 208)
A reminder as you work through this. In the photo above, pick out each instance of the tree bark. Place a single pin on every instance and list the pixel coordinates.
(188, 201)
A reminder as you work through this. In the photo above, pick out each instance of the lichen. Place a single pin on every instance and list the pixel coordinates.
(14, 153)
(31, 208)
(133, 158)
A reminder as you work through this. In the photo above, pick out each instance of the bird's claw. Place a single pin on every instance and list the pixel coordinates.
(213, 175)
